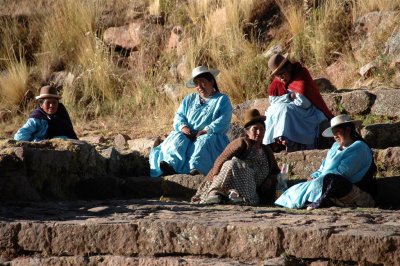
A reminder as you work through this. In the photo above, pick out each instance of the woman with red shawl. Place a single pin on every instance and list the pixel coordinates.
(296, 106)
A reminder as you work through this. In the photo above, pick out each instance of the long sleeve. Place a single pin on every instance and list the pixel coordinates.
(235, 148)
(33, 130)
(224, 116)
(180, 118)
(351, 163)
(355, 162)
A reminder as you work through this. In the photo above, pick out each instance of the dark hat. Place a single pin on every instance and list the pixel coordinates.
(251, 117)
(276, 62)
(48, 92)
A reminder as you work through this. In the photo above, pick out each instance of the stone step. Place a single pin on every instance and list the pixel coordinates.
(63, 170)
(159, 229)
(111, 260)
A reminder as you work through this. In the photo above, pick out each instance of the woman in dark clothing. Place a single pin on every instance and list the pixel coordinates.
(49, 120)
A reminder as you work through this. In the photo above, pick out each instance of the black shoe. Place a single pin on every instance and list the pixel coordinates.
(194, 172)
(166, 168)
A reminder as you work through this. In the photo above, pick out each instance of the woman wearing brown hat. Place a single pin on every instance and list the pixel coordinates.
(49, 120)
(199, 129)
(297, 107)
(245, 168)
(345, 177)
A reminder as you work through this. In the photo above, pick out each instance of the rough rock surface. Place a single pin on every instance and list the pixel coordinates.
(387, 103)
(382, 135)
(58, 169)
(126, 260)
(357, 102)
(151, 228)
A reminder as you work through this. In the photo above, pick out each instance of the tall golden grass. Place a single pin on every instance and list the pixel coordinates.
(70, 40)
(362, 7)
(14, 78)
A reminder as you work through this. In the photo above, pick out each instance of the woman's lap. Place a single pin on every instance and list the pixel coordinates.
(183, 154)
(297, 124)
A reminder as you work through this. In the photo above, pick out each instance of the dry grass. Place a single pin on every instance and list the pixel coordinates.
(213, 35)
(13, 84)
(361, 7)
(14, 78)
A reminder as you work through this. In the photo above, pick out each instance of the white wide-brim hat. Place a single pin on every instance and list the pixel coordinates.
(198, 71)
(338, 120)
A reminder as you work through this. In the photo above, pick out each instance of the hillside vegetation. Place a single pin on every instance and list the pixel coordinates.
(108, 87)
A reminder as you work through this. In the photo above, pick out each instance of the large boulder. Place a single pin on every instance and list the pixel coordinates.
(58, 169)
(357, 102)
(393, 44)
(382, 136)
(387, 103)
(132, 36)
(366, 30)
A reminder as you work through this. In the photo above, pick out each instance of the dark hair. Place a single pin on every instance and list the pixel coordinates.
(208, 76)
(353, 132)
(252, 124)
(287, 67)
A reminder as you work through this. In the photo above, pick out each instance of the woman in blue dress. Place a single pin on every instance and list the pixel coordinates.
(49, 120)
(199, 129)
(345, 177)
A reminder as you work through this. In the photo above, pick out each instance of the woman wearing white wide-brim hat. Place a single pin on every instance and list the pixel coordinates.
(345, 177)
(200, 127)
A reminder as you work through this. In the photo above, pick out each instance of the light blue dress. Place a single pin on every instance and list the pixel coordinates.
(33, 130)
(296, 120)
(351, 163)
(213, 115)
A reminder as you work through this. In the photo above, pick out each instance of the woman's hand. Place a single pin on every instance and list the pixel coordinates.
(201, 132)
(185, 130)
(293, 96)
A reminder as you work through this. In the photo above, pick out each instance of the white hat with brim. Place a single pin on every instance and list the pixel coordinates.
(197, 72)
(338, 120)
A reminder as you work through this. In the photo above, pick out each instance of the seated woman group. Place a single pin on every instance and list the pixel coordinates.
(49, 120)
(245, 170)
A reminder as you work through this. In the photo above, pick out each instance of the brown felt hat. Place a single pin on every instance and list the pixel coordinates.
(48, 92)
(276, 62)
(251, 117)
